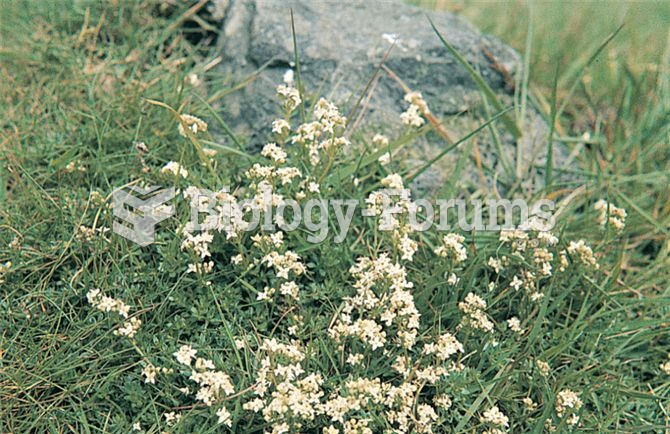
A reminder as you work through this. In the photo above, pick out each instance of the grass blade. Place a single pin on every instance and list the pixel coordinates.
(550, 139)
(229, 132)
(364, 162)
(228, 149)
(526, 68)
(298, 80)
(463, 139)
(479, 81)
(588, 63)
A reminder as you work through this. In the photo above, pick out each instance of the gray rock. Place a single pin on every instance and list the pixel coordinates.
(341, 45)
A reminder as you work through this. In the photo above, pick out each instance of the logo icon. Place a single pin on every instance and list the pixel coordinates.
(141, 209)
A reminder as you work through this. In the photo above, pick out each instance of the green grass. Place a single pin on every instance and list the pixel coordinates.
(75, 83)
(565, 32)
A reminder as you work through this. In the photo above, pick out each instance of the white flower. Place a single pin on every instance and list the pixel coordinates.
(453, 279)
(175, 169)
(331, 430)
(412, 117)
(514, 324)
(313, 187)
(516, 283)
(443, 401)
(616, 217)
(404, 243)
(284, 263)
(107, 304)
(201, 268)
(288, 77)
(92, 296)
(193, 79)
(129, 328)
(529, 404)
(16, 242)
(328, 115)
(380, 140)
(76, 165)
(393, 181)
(185, 354)
(149, 373)
(446, 346)
(281, 127)
(203, 364)
(417, 99)
(224, 417)
(274, 152)
(452, 247)
(385, 159)
(496, 264)
(171, 417)
(583, 253)
(547, 238)
(473, 306)
(495, 417)
(255, 405)
(193, 123)
(567, 399)
(543, 367)
(290, 96)
(289, 288)
(354, 359)
(391, 38)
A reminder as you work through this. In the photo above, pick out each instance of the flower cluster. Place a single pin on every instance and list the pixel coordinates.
(284, 264)
(194, 124)
(529, 247)
(108, 304)
(452, 248)
(4, 269)
(543, 367)
(75, 166)
(274, 152)
(382, 305)
(175, 169)
(417, 108)
(474, 308)
(446, 346)
(214, 385)
(665, 366)
(85, 233)
(393, 205)
(610, 214)
(583, 253)
(568, 403)
(495, 417)
(324, 134)
(290, 97)
(379, 354)
(150, 372)
(514, 324)
(285, 394)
